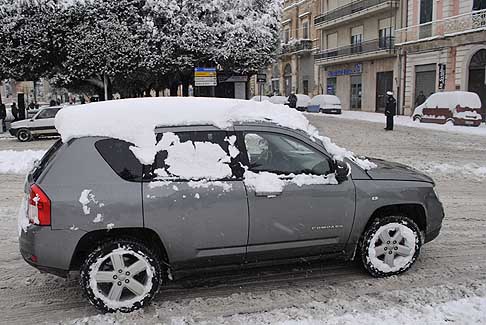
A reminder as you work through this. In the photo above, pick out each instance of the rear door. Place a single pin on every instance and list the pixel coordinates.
(307, 216)
(195, 199)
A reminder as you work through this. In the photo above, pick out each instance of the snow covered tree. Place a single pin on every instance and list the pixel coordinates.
(28, 38)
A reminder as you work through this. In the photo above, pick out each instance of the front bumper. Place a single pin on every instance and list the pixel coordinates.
(13, 132)
(49, 250)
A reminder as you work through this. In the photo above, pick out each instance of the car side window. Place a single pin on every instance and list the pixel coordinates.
(120, 158)
(283, 155)
(47, 113)
(201, 155)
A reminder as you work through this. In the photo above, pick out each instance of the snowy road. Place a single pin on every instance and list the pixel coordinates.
(451, 268)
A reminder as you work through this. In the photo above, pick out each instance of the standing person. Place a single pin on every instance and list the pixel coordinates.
(420, 99)
(15, 111)
(390, 110)
(292, 100)
(3, 116)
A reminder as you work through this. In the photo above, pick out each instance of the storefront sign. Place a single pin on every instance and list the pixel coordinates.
(442, 76)
(357, 69)
(205, 77)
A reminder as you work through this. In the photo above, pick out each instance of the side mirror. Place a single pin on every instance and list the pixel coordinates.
(342, 171)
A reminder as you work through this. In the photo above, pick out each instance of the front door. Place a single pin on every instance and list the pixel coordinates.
(294, 211)
(384, 83)
(356, 93)
(477, 78)
(195, 199)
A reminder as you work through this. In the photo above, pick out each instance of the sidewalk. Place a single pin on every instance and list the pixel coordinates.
(404, 121)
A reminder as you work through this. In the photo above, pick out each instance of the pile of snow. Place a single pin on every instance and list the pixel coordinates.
(469, 170)
(134, 121)
(18, 162)
(273, 183)
(470, 310)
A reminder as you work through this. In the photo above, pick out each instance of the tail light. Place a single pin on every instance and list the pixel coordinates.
(39, 207)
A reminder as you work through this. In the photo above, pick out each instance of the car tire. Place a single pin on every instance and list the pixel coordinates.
(121, 275)
(417, 118)
(24, 135)
(390, 246)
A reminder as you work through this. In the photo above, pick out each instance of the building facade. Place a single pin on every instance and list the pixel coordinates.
(443, 48)
(294, 70)
(357, 60)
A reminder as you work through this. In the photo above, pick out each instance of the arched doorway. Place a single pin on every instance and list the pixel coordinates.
(288, 80)
(477, 77)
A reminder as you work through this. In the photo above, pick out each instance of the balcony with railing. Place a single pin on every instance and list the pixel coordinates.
(297, 46)
(474, 21)
(353, 11)
(373, 49)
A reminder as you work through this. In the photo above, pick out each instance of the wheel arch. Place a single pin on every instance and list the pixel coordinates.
(414, 211)
(93, 239)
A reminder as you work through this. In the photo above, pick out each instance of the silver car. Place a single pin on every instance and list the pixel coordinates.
(131, 228)
(40, 125)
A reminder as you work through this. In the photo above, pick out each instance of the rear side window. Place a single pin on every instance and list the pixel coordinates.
(199, 167)
(121, 159)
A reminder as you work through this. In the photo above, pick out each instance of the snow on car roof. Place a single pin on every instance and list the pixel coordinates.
(135, 120)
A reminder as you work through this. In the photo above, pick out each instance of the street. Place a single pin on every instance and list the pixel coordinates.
(450, 268)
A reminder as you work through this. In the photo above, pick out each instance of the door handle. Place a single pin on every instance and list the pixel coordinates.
(269, 195)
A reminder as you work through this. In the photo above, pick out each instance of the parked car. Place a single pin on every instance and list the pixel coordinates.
(457, 107)
(260, 98)
(282, 100)
(302, 102)
(328, 104)
(242, 189)
(42, 124)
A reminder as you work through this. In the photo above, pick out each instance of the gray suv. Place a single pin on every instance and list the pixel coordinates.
(130, 228)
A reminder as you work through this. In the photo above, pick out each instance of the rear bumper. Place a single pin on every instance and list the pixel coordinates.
(49, 250)
(13, 132)
(331, 111)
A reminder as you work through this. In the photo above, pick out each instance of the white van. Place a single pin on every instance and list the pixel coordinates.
(458, 107)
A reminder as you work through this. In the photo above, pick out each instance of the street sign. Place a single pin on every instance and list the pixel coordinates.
(261, 78)
(205, 77)
(442, 76)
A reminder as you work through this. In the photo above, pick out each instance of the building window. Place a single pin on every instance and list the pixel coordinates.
(356, 39)
(332, 4)
(332, 42)
(288, 80)
(305, 85)
(286, 36)
(426, 16)
(331, 86)
(305, 30)
(385, 33)
(276, 80)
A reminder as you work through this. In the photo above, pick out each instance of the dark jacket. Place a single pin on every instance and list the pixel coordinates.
(3, 112)
(293, 101)
(15, 111)
(391, 106)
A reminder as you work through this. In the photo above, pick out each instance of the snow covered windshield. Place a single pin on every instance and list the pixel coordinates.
(135, 121)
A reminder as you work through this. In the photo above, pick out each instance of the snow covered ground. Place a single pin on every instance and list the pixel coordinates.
(405, 121)
(18, 162)
(448, 283)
